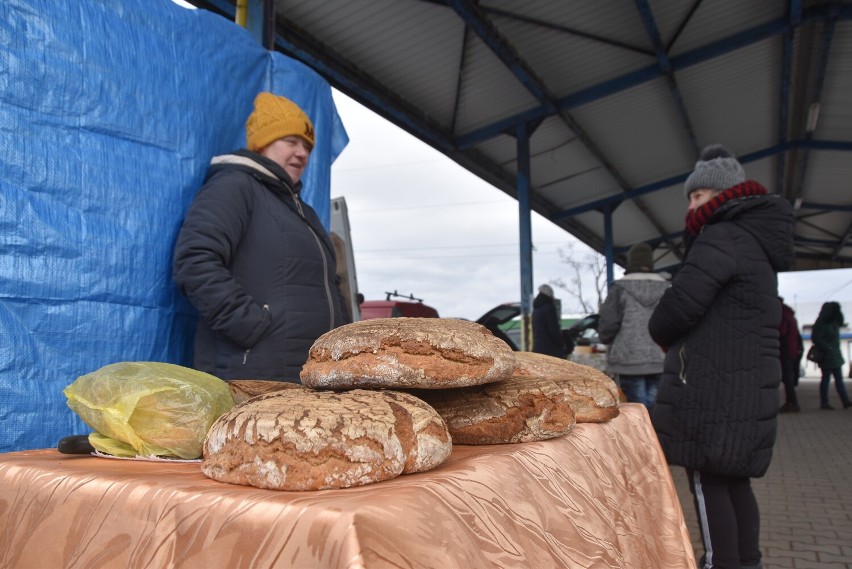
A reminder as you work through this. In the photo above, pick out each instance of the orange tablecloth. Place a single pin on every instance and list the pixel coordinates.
(601, 496)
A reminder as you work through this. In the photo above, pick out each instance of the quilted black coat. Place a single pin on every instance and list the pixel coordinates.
(718, 399)
(547, 329)
(259, 267)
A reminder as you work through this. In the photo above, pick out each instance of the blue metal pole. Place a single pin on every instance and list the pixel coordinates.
(255, 20)
(608, 244)
(525, 228)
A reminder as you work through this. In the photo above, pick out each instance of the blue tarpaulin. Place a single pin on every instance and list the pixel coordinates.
(110, 111)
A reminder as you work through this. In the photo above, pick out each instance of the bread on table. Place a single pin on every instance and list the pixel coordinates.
(515, 410)
(424, 353)
(301, 439)
(592, 394)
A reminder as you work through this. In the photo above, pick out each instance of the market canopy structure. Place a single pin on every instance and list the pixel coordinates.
(593, 113)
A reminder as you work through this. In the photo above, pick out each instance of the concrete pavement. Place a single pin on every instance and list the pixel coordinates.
(806, 496)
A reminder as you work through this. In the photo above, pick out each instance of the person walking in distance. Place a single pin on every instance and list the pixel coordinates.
(716, 408)
(791, 356)
(546, 321)
(632, 355)
(825, 335)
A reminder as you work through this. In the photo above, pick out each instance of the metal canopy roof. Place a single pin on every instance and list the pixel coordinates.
(618, 99)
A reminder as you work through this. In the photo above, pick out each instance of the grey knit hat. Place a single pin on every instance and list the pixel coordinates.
(640, 259)
(717, 169)
(546, 290)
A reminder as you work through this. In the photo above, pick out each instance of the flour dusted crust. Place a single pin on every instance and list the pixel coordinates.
(244, 389)
(425, 353)
(593, 394)
(300, 439)
(515, 410)
(432, 441)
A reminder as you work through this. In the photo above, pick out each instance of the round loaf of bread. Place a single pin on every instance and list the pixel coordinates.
(424, 353)
(515, 410)
(244, 389)
(592, 394)
(300, 439)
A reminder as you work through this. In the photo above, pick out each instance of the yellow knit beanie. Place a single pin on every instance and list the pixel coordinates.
(275, 117)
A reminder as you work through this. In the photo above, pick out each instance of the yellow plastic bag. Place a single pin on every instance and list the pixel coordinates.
(149, 408)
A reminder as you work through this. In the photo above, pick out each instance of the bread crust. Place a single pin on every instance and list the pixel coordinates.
(592, 394)
(515, 410)
(244, 389)
(301, 439)
(424, 353)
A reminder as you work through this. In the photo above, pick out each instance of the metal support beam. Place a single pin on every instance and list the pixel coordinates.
(474, 18)
(680, 178)
(794, 18)
(651, 72)
(608, 245)
(666, 68)
(525, 229)
(828, 35)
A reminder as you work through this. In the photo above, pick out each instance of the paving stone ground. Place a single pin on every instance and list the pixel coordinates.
(806, 496)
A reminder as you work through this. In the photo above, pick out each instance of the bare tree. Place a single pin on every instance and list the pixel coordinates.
(587, 275)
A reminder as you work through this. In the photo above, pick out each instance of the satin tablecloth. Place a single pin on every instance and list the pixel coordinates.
(601, 496)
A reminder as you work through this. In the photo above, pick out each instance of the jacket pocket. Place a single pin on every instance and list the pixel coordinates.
(266, 320)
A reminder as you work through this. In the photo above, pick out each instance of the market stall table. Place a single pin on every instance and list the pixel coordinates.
(601, 496)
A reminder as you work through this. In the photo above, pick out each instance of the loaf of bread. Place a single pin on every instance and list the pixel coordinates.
(592, 394)
(424, 353)
(244, 389)
(301, 439)
(515, 410)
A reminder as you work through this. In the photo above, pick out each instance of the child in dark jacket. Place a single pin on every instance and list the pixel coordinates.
(717, 403)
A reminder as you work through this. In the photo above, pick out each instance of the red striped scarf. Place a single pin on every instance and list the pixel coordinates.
(696, 218)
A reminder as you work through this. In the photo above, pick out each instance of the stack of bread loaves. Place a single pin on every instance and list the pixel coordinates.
(389, 396)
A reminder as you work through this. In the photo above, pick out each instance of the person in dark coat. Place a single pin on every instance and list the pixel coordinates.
(791, 356)
(547, 324)
(717, 403)
(825, 335)
(253, 259)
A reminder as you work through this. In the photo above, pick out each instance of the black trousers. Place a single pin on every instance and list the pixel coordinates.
(790, 377)
(729, 520)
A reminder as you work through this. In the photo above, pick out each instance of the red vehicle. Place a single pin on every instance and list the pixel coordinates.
(411, 307)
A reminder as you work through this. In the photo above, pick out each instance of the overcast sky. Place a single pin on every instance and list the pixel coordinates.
(423, 225)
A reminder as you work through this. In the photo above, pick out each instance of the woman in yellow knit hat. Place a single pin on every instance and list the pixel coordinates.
(253, 259)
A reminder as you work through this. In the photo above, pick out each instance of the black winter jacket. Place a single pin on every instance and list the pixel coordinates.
(825, 335)
(718, 399)
(547, 327)
(259, 267)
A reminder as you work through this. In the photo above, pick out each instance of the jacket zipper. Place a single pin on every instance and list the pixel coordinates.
(328, 294)
(682, 355)
(248, 350)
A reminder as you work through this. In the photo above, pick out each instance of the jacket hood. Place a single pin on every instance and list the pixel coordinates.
(255, 164)
(541, 299)
(646, 288)
(767, 218)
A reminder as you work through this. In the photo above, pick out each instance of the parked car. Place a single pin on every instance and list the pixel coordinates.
(393, 308)
(504, 322)
(584, 332)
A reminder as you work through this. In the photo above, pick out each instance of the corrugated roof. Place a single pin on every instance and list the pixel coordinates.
(618, 97)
